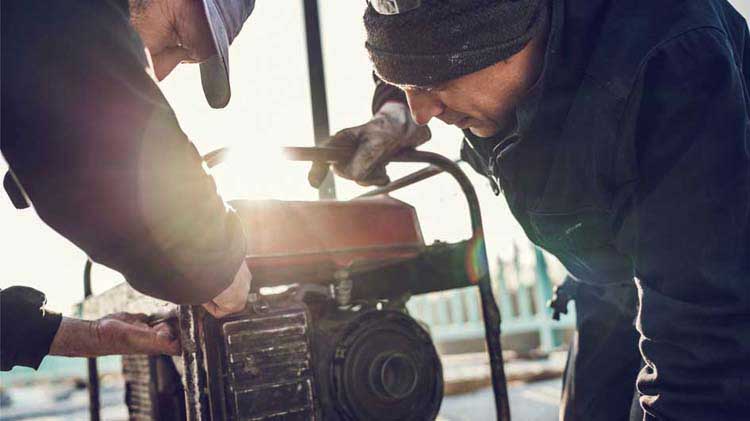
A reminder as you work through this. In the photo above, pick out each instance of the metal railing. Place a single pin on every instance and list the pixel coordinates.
(522, 291)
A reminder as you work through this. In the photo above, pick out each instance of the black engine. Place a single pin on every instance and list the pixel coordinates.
(291, 358)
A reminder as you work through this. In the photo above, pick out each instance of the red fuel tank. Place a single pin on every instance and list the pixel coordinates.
(292, 241)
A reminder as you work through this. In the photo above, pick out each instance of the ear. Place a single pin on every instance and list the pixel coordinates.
(167, 60)
(192, 31)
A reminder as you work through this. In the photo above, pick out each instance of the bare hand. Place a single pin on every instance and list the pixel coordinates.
(390, 131)
(115, 334)
(174, 31)
(234, 298)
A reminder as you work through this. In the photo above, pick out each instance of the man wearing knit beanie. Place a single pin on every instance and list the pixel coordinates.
(618, 134)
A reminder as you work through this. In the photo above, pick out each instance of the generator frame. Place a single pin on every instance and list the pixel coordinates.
(435, 263)
(429, 262)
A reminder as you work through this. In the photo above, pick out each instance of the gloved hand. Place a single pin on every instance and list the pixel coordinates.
(390, 131)
(114, 334)
(234, 298)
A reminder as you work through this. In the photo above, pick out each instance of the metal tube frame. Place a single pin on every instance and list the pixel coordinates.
(439, 164)
(318, 98)
(93, 370)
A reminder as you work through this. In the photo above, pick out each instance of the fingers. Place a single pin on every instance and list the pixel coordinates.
(344, 138)
(130, 317)
(234, 298)
(378, 177)
(318, 172)
(167, 339)
(114, 336)
(376, 142)
(363, 162)
(169, 315)
(372, 153)
(156, 340)
(215, 310)
(168, 346)
(421, 135)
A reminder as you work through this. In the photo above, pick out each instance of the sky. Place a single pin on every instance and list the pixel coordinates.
(270, 107)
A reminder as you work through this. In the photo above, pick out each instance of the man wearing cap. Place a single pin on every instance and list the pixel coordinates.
(619, 133)
(94, 146)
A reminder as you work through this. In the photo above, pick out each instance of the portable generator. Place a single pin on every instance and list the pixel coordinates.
(326, 334)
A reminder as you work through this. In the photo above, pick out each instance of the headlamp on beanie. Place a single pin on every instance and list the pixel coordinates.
(394, 7)
(440, 40)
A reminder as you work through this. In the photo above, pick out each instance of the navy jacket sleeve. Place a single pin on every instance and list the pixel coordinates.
(687, 228)
(100, 153)
(26, 327)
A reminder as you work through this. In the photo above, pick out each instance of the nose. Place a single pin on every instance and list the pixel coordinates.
(424, 105)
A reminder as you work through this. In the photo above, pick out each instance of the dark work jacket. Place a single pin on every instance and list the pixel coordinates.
(633, 162)
(26, 327)
(100, 154)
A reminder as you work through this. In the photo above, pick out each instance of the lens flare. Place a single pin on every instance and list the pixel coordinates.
(476, 258)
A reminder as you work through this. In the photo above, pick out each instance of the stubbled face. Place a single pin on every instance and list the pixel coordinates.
(483, 101)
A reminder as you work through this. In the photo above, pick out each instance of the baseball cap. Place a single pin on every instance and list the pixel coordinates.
(225, 19)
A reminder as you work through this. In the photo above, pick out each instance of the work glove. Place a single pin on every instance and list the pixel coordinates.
(390, 131)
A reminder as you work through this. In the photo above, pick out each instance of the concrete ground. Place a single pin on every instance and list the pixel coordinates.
(536, 401)
(534, 393)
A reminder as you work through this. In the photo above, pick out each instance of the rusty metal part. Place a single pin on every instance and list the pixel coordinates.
(153, 388)
(138, 372)
(308, 241)
(341, 290)
(423, 174)
(93, 370)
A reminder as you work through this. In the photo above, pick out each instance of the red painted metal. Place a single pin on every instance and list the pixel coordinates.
(310, 241)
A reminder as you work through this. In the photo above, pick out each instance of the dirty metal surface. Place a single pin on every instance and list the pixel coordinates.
(140, 393)
(194, 364)
(260, 366)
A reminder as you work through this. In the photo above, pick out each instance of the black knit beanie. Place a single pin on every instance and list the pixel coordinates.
(445, 39)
